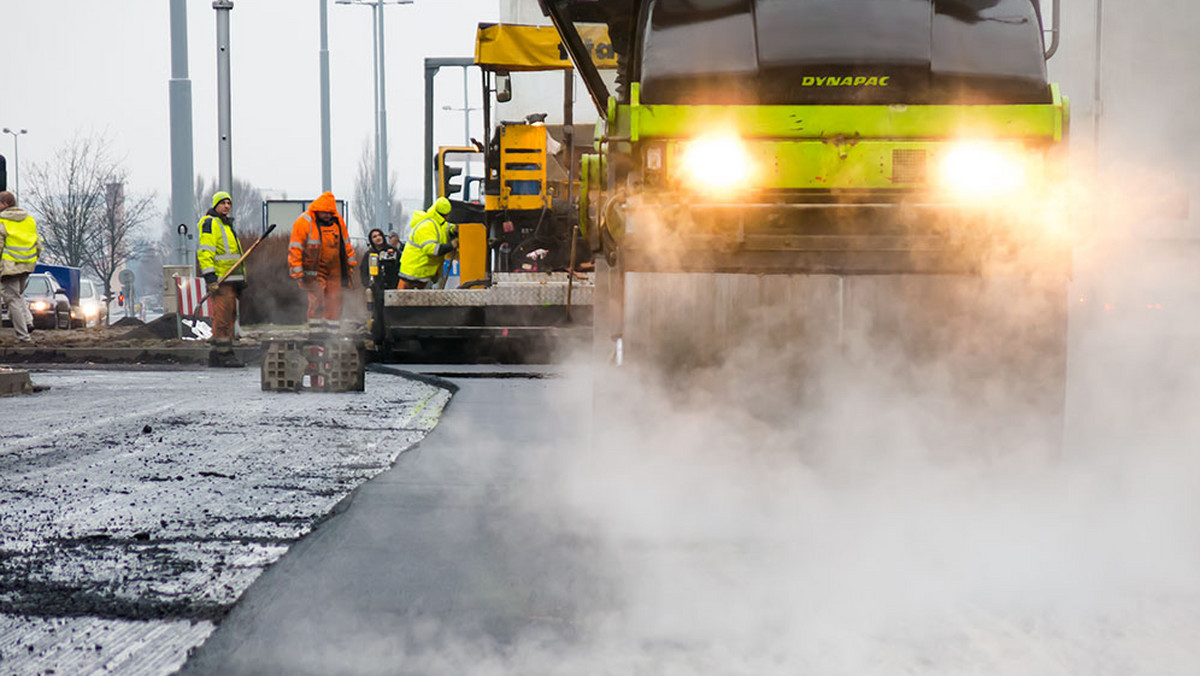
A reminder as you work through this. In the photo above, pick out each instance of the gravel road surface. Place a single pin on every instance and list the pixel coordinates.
(136, 507)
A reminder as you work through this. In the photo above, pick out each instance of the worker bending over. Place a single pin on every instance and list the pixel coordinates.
(321, 259)
(217, 251)
(430, 240)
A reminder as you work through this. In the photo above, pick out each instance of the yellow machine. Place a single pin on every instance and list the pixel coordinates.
(869, 183)
(513, 198)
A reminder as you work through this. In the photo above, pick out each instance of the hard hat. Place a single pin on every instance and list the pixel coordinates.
(442, 206)
(222, 195)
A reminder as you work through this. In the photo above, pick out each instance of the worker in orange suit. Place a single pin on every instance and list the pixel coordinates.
(321, 259)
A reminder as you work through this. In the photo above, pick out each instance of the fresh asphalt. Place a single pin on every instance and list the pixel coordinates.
(435, 565)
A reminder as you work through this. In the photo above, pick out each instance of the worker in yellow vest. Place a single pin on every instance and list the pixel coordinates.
(216, 253)
(19, 249)
(431, 238)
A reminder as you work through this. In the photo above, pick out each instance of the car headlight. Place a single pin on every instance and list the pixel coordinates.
(39, 306)
(717, 163)
(90, 308)
(981, 169)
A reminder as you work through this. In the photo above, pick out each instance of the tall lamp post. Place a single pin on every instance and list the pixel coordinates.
(382, 208)
(466, 111)
(16, 161)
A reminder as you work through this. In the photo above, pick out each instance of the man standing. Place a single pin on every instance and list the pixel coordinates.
(430, 239)
(321, 259)
(218, 250)
(19, 249)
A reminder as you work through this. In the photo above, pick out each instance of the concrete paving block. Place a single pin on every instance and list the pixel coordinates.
(14, 382)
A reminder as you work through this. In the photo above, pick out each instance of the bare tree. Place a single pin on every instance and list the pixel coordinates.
(365, 192)
(67, 196)
(119, 223)
(84, 217)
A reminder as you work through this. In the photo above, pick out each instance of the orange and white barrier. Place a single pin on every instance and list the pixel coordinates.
(189, 291)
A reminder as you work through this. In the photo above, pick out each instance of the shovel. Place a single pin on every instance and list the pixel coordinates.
(213, 289)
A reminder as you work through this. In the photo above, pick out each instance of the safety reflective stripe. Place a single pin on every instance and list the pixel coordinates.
(21, 254)
(296, 245)
(297, 269)
(205, 271)
(310, 273)
(228, 257)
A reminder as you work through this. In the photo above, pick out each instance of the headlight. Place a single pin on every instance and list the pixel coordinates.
(983, 169)
(90, 308)
(717, 163)
(39, 306)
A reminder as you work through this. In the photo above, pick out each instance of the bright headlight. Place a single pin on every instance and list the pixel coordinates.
(717, 163)
(90, 308)
(983, 169)
(39, 306)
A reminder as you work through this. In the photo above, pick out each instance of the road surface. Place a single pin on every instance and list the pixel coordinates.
(694, 538)
(137, 506)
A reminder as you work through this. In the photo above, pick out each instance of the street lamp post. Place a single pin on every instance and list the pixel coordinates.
(382, 208)
(466, 111)
(16, 161)
(224, 116)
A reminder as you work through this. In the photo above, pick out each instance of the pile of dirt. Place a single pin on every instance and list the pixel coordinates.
(128, 321)
(163, 328)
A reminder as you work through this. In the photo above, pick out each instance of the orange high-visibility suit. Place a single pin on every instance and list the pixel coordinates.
(321, 259)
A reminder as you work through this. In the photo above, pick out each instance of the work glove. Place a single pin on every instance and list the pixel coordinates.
(448, 247)
(210, 278)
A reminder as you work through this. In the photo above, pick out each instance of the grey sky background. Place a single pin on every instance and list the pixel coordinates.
(96, 67)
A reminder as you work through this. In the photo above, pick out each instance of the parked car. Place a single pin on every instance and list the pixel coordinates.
(92, 309)
(47, 302)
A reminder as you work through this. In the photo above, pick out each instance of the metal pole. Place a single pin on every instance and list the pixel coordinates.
(383, 207)
(17, 167)
(432, 66)
(326, 162)
(375, 103)
(224, 133)
(180, 90)
(1098, 102)
(466, 116)
(431, 71)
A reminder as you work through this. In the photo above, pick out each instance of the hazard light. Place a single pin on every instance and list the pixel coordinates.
(982, 170)
(716, 163)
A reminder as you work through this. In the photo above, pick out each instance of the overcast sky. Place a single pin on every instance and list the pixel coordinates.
(103, 68)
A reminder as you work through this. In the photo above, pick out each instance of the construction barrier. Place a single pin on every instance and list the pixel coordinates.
(189, 291)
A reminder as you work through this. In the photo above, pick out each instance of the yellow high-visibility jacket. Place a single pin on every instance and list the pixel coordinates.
(219, 248)
(428, 245)
(19, 245)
